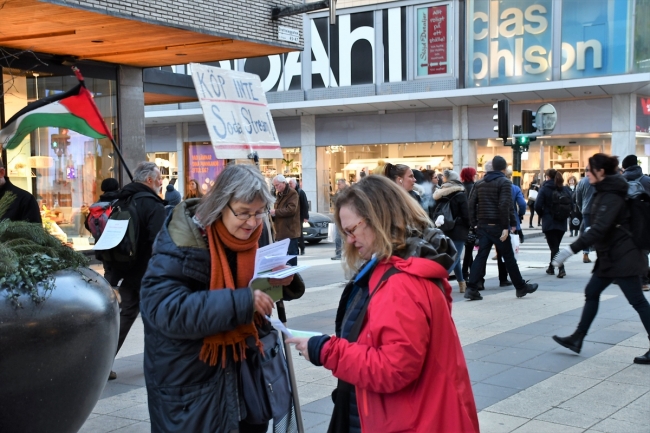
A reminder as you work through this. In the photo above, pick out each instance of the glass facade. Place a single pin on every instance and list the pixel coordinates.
(61, 168)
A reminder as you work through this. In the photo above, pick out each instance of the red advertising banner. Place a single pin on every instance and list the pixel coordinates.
(437, 41)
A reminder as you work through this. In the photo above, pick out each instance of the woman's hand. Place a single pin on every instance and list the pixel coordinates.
(284, 281)
(262, 303)
(301, 345)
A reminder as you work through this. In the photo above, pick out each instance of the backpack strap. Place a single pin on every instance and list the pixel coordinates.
(356, 327)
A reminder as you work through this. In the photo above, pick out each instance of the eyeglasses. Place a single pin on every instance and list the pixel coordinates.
(350, 232)
(247, 216)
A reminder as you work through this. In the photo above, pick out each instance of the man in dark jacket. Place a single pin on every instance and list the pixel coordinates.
(23, 206)
(492, 214)
(304, 211)
(151, 215)
(584, 197)
(632, 171)
(286, 216)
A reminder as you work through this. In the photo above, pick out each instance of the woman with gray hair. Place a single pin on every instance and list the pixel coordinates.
(200, 317)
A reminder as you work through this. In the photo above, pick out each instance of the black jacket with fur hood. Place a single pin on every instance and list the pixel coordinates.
(454, 193)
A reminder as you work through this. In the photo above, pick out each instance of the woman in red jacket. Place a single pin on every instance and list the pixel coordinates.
(396, 351)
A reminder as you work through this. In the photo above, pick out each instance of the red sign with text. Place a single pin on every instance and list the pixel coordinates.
(437, 40)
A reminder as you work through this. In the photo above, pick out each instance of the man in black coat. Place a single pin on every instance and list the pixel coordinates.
(23, 207)
(151, 215)
(304, 211)
(492, 214)
(632, 171)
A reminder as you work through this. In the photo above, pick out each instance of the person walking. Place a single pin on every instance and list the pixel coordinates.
(110, 188)
(584, 197)
(554, 205)
(198, 311)
(618, 258)
(575, 218)
(396, 350)
(403, 176)
(492, 214)
(303, 205)
(533, 191)
(341, 185)
(151, 215)
(451, 200)
(468, 178)
(286, 216)
(23, 206)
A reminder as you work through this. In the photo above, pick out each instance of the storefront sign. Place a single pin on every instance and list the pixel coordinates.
(510, 41)
(432, 40)
(203, 165)
(236, 113)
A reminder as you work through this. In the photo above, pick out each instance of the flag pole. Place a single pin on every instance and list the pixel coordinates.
(117, 150)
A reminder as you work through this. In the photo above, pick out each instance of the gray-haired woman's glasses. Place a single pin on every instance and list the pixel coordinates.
(247, 216)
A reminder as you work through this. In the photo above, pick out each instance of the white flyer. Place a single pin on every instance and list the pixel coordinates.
(112, 235)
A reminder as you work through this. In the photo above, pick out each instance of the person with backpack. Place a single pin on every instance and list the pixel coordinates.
(452, 217)
(632, 173)
(98, 215)
(554, 205)
(619, 259)
(396, 351)
(139, 202)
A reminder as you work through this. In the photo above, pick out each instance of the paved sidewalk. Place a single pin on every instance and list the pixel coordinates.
(523, 382)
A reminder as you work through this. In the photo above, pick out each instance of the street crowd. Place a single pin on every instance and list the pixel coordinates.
(402, 232)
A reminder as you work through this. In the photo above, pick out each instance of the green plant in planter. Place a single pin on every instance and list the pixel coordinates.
(559, 150)
(481, 160)
(29, 255)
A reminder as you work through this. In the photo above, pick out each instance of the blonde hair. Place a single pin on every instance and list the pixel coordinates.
(387, 210)
(381, 164)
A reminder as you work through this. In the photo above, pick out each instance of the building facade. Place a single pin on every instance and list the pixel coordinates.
(111, 42)
(414, 81)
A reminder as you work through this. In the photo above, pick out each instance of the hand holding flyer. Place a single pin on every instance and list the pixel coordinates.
(267, 259)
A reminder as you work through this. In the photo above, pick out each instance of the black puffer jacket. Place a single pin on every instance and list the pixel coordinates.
(454, 193)
(610, 220)
(544, 207)
(491, 202)
(178, 311)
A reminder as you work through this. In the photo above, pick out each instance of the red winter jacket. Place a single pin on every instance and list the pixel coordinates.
(407, 365)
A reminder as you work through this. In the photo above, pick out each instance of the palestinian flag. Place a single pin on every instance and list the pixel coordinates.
(74, 109)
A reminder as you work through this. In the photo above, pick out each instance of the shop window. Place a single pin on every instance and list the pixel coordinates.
(61, 168)
(642, 36)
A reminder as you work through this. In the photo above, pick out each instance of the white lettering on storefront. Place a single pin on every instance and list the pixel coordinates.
(536, 59)
(347, 38)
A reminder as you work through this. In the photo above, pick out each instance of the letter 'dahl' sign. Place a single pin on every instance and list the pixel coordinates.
(236, 114)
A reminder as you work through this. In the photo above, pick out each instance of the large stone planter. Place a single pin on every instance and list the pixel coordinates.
(55, 356)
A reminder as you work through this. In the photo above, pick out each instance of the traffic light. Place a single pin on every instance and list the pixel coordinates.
(59, 141)
(502, 108)
(528, 125)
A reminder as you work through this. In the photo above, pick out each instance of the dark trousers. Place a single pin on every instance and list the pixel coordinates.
(631, 288)
(488, 236)
(245, 427)
(586, 223)
(554, 239)
(293, 251)
(531, 207)
(129, 308)
(301, 242)
(468, 260)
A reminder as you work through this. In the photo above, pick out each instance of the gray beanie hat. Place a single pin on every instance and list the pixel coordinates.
(451, 175)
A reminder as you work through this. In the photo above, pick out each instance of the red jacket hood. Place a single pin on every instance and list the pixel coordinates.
(418, 267)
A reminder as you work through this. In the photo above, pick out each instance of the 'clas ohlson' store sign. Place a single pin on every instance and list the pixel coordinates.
(511, 41)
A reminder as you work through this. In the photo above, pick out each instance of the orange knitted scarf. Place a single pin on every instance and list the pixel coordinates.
(221, 278)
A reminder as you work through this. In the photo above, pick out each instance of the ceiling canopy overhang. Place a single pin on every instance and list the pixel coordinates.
(78, 34)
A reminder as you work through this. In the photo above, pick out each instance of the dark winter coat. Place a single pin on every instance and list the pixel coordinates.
(610, 220)
(151, 215)
(304, 205)
(635, 173)
(454, 193)
(185, 394)
(23, 208)
(491, 202)
(469, 186)
(544, 207)
(287, 221)
(584, 195)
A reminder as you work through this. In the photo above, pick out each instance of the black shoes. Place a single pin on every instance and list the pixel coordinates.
(302, 252)
(574, 342)
(561, 272)
(643, 359)
(505, 283)
(531, 227)
(472, 294)
(336, 258)
(528, 288)
(112, 375)
(550, 270)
